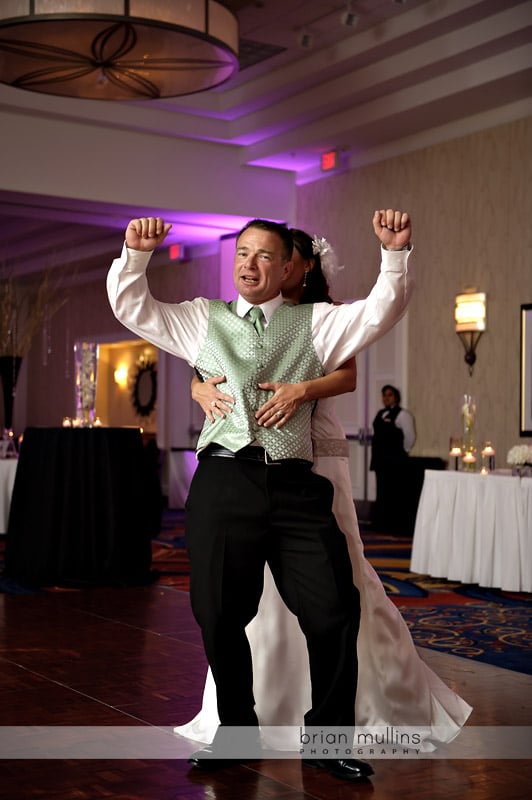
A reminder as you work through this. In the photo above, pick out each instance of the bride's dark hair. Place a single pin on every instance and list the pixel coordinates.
(317, 288)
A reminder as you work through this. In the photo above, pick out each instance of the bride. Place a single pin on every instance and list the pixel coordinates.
(395, 686)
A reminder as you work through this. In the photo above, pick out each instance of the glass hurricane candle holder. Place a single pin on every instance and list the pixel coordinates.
(469, 460)
(488, 458)
(455, 450)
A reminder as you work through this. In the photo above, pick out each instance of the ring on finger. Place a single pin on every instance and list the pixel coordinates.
(213, 403)
(278, 413)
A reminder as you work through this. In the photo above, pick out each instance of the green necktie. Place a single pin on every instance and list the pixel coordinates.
(256, 315)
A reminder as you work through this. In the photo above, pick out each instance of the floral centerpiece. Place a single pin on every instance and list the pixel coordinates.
(468, 411)
(520, 459)
(86, 358)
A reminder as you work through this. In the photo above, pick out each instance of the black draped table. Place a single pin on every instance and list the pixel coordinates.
(82, 508)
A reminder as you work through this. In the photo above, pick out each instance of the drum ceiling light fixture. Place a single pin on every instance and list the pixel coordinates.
(117, 49)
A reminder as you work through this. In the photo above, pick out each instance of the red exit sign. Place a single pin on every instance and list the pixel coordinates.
(329, 160)
(175, 252)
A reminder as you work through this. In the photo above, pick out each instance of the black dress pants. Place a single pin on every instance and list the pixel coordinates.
(240, 515)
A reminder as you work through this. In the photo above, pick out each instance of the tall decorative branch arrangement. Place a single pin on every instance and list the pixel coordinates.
(25, 308)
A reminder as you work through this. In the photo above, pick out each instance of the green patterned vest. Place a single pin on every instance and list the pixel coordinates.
(283, 352)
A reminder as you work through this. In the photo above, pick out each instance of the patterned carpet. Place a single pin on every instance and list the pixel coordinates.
(465, 620)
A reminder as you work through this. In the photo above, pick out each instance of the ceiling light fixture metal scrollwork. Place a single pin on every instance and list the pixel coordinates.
(117, 49)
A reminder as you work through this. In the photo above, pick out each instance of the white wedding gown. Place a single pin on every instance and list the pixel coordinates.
(395, 687)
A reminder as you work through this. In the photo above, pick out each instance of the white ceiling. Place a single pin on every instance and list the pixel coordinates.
(407, 75)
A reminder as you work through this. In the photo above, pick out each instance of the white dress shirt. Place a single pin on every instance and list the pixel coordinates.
(338, 332)
(405, 421)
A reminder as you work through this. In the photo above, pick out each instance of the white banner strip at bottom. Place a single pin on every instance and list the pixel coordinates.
(279, 742)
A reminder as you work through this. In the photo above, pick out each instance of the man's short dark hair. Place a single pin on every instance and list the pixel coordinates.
(272, 227)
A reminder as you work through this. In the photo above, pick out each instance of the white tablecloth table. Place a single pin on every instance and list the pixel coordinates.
(475, 528)
(8, 468)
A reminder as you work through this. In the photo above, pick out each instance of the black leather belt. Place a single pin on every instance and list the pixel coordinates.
(251, 453)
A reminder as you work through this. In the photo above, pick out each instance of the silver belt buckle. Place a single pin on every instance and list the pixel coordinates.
(269, 460)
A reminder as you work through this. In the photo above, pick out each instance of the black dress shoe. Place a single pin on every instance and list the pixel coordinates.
(350, 769)
(207, 760)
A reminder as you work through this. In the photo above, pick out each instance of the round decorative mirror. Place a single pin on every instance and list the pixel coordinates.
(144, 387)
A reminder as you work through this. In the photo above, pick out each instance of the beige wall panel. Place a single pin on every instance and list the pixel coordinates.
(471, 206)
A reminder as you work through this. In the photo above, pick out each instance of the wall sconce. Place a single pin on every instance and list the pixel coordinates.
(470, 322)
(121, 375)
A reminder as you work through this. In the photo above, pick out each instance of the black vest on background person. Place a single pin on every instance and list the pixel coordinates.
(387, 443)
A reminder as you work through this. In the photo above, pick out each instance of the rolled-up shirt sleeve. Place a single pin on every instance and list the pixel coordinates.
(177, 328)
(340, 332)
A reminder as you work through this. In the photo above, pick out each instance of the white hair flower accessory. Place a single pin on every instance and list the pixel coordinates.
(329, 262)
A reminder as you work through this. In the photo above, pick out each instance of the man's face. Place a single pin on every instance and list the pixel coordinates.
(260, 266)
(388, 398)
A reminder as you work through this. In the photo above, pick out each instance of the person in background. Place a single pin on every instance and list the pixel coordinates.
(394, 435)
(395, 687)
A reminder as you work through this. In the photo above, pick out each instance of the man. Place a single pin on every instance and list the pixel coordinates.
(254, 498)
(394, 435)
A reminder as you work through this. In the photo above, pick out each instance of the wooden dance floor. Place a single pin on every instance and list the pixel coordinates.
(133, 657)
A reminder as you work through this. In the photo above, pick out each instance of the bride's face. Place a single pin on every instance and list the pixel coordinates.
(293, 285)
